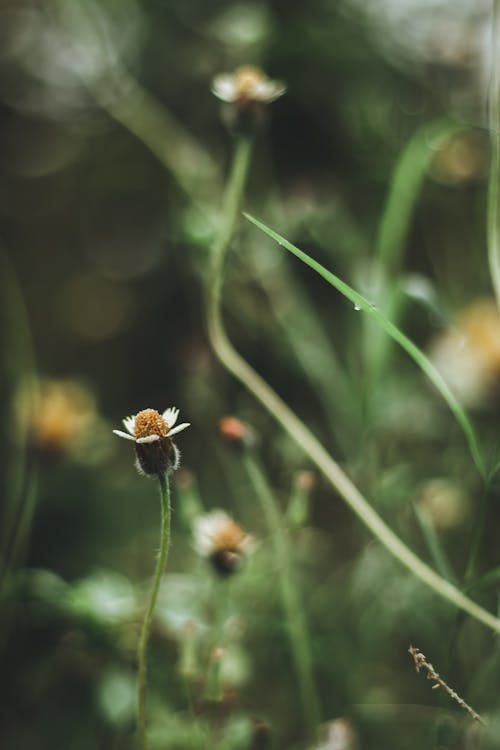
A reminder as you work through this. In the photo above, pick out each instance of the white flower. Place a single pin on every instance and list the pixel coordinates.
(148, 426)
(151, 433)
(222, 541)
(246, 84)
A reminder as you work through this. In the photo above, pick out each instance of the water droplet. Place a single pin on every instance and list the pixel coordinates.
(357, 307)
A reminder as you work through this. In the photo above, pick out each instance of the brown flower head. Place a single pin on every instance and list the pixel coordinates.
(236, 432)
(152, 434)
(248, 90)
(222, 541)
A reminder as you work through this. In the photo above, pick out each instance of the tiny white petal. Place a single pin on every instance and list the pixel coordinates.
(268, 91)
(179, 428)
(129, 423)
(148, 439)
(224, 87)
(170, 416)
(124, 435)
(207, 528)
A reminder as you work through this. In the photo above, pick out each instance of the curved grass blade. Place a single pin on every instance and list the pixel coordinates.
(415, 353)
(406, 185)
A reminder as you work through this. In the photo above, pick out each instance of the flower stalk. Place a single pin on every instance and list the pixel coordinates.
(296, 623)
(148, 619)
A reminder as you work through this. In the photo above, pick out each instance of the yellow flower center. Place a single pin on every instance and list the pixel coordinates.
(246, 81)
(229, 537)
(149, 422)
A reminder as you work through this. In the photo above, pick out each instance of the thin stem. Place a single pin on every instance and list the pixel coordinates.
(431, 538)
(146, 625)
(493, 221)
(297, 627)
(230, 212)
(298, 430)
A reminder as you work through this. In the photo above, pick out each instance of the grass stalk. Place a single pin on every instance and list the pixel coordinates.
(19, 483)
(296, 623)
(148, 619)
(406, 185)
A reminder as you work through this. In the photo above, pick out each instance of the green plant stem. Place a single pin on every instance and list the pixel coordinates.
(298, 431)
(493, 220)
(230, 212)
(148, 619)
(431, 538)
(19, 368)
(297, 627)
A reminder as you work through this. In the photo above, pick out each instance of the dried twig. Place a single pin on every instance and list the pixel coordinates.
(421, 662)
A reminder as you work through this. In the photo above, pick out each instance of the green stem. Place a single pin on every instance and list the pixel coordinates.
(493, 220)
(431, 538)
(148, 619)
(230, 212)
(297, 627)
(18, 364)
(297, 429)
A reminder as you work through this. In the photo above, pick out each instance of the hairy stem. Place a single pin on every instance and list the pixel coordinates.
(148, 619)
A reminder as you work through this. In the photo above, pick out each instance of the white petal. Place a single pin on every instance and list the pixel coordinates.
(124, 435)
(179, 428)
(268, 91)
(129, 423)
(206, 529)
(224, 88)
(170, 416)
(148, 439)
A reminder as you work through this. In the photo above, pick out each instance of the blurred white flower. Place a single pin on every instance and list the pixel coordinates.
(468, 354)
(222, 541)
(246, 85)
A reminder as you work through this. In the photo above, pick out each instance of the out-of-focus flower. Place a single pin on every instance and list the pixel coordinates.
(248, 91)
(222, 541)
(64, 415)
(443, 504)
(152, 434)
(304, 480)
(236, 432)
(461, 160)
(338, 735)
(247, 84)
(468, 355)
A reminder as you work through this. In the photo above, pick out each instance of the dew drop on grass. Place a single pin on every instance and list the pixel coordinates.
(357, 307)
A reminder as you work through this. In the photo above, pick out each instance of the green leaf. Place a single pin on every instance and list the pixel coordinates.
(395, 333)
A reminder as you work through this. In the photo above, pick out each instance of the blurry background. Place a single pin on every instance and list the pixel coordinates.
(113, 154)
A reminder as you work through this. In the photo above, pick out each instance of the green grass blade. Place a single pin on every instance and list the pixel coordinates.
(406, 185)
(415, 353)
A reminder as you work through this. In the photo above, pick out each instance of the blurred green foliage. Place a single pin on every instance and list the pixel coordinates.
(114, 155)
